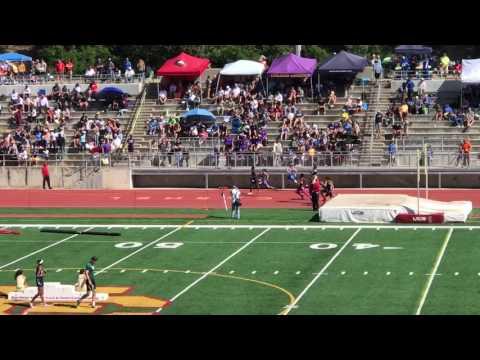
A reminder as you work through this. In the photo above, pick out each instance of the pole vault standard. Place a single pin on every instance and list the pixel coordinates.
(418, 182)
(426, 165)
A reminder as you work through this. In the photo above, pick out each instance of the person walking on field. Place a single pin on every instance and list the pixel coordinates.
(89, 281)
(39, 280)
(46, 175)
(236, 203)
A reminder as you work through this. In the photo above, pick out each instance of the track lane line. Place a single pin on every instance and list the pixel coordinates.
(213, 269)
(434, 271)
(44, 248)
(321, 272)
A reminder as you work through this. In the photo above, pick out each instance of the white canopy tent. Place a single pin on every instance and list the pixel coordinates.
(470, 74)
(470, 71)
(242, 68)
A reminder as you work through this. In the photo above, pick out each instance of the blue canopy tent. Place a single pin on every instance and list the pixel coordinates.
(15, 57)
(413, 50)
(342, 63)
(197, 115)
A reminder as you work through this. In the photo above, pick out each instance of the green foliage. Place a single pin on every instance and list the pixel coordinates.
(82, 56)
(317, 52)
(368, 50)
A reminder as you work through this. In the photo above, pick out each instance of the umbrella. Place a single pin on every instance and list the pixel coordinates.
(198, 115)
(42, 92)
(15, 57)
(111, 92)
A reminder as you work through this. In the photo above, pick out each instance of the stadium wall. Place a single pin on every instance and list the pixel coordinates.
(132, 89)
(117, 178)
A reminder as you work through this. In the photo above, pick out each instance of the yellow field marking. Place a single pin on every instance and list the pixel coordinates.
(130, 313)
(137, 301)
(116, 290)
(145, 301)
(63, 308)
(4, 308)
(5, 289)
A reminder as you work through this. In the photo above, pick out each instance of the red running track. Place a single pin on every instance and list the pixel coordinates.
(191, 198)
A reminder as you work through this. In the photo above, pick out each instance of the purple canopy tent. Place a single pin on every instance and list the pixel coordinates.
(291, 65)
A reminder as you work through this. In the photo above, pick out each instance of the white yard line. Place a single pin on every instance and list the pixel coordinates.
(300, 296)
(214, 268)
(43, 249)
(178, 227)
(434, 271)
(251, 227)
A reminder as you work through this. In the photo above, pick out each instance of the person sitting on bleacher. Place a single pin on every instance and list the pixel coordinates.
(332, 99)
(456, 119)
(300, 95)
(162, 97)
(469, 119)
(20, 280)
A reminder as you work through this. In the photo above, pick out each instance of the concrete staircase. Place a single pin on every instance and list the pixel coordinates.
(374, 149)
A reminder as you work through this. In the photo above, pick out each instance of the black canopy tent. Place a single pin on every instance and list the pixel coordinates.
(413, 50)
(342, 63)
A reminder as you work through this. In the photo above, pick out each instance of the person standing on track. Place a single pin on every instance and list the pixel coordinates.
(39, 280)
(90, 281)
(315, 192)
(236, 203)
(253, 181)
(46, 175)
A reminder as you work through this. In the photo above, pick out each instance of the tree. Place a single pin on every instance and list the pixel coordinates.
(82, 56)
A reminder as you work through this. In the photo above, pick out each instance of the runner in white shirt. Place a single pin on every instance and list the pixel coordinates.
(236, 203)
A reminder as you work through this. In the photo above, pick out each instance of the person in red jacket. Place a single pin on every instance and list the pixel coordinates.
(59, 69)
(69, 69)
(46, 175)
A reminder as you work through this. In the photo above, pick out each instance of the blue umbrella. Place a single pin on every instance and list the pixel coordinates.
(111, 91)
(14, 57)
(198, 112)
(200, 115)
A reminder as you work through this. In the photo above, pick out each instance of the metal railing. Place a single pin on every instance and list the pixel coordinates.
(239, 160)
(84, 159)
(215, 160)
(451, 159)
(441, 143)
(136, 115)
(29, 79)
(419, 73)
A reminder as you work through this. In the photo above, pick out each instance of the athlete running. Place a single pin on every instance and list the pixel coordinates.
(302, 188)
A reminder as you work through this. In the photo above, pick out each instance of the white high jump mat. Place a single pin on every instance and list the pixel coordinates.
(383, 208)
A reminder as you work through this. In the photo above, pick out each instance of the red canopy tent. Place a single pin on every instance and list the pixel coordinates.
(184, 66)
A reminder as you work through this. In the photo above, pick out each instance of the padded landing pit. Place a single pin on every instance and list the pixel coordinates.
(383, 208)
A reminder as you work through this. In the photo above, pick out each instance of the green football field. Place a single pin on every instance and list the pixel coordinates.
(270, 262)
